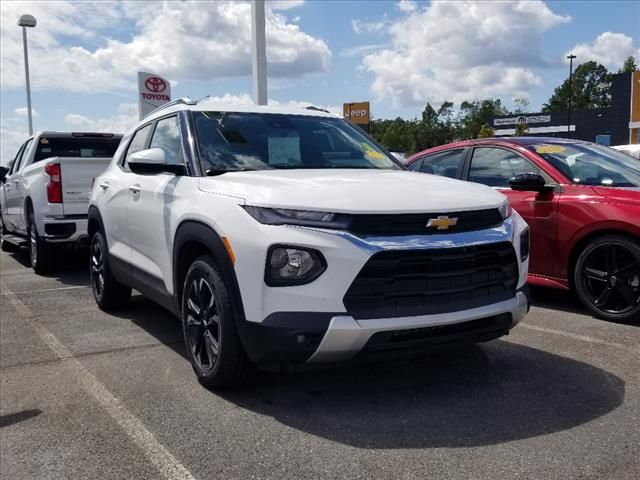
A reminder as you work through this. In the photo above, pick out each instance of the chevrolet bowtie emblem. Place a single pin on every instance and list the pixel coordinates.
(442, 222)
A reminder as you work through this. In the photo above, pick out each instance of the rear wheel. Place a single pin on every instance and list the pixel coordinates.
(209, 327)
(40, 254)
(107, 291)
(607, 278)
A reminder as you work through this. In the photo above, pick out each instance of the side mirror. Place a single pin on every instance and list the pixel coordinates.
(3, 173)
(528, 182)
(153, 160)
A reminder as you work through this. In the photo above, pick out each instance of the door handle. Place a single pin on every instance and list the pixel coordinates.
(135, 189)
(104, 185)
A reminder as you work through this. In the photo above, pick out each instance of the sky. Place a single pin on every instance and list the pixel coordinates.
(398, 55)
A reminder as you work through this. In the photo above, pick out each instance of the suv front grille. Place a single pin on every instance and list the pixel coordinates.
(367, 225)
(398, 283)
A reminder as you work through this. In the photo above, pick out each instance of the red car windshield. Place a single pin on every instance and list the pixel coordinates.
(590, 164)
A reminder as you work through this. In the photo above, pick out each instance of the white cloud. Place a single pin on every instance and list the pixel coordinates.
(609, 48)
(185, 40)
(125, 118)
(462, 50)
(361, 26)
(22, 112)
(360, 49)
(407, 6)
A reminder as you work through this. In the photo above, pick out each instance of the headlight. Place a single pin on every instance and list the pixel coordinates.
(307, 218)
(289, 265)
(505, 209)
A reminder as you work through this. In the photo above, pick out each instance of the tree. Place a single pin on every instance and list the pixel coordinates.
(521, 129)
(486, 131)
(475, 114)
(521, 105)
(590, 88)
(629, 66)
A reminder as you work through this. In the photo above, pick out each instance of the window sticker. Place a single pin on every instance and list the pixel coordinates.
(284, 151)
(44, 141)
(371, 153)
(550, 149)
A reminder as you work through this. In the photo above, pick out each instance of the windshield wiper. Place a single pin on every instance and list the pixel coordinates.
(212, 172)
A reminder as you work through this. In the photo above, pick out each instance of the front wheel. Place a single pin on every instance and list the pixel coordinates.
(107, 291)
(40, 254)
(209, 327)
(607, 278)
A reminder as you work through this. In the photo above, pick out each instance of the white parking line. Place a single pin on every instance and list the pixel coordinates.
(576, 336)
(155, 452)
(47, 289)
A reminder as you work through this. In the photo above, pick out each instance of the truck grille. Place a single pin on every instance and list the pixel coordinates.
(424, 282)
(416, 223)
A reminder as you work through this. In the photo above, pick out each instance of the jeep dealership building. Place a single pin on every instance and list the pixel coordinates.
(616, 125)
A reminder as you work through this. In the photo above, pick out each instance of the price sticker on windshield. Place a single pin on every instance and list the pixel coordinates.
(551, 149)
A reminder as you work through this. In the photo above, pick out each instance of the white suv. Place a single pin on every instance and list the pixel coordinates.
(285, 236)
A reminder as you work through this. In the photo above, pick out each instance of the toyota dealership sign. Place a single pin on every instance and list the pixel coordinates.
(153, 91)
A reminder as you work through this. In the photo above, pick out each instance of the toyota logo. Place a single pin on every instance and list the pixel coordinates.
(155, 84)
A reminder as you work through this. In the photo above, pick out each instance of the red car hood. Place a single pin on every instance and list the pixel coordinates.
(620, 194)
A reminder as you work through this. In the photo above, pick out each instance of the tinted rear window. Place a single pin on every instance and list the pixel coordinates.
(76, 147)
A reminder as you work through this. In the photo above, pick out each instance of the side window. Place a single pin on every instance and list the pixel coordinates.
(20, 158)
(416, 166)
(167, 137)
(16, 161)
(494, 167)
(138, 142)
(445, 164)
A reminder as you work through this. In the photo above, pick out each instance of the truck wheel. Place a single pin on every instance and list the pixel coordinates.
(607, 278)
(5, 246)
(107, 291)
(40, 253)
(209, 327)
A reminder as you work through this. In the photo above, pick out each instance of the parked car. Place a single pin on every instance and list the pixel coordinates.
(285, 236)
(581, 201)
(45, 193)
(633, 150)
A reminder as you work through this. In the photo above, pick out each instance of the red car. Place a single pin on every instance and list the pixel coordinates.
(582, 203)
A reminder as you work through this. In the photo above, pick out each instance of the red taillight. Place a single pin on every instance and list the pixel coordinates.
(54, 187)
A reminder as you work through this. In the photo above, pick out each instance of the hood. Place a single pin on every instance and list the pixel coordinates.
(620, 194)
(353, 191)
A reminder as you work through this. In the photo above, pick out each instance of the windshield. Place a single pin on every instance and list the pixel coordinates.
(258, 141)
(590, 164)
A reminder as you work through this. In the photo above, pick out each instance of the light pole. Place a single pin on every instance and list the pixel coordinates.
(570, 57)
(27, 21)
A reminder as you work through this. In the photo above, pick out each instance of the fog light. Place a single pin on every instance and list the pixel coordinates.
(293, 265)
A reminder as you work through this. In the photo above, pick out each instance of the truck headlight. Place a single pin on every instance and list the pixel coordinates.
(306, 218)
(524, 244)
(505, 209)
(289, 265)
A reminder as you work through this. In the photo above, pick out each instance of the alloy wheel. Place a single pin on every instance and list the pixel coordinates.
(33, 245)
(97, 268)
(611, 278)
(203, 323)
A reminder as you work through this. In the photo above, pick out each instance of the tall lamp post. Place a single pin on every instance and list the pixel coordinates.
(570, 57)
(27, 21)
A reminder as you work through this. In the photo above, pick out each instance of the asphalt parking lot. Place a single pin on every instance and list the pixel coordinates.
(85, 394)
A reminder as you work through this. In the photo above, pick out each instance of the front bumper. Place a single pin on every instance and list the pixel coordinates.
(315, 338)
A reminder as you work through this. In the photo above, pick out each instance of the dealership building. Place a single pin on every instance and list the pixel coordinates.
(617, 125)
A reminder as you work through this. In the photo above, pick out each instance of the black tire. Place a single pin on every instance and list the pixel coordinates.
(107, 291)
(41, 255)
(607, 278)
(209, 327)
(5, 246)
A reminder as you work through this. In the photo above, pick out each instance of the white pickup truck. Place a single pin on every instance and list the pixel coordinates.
(44, 193)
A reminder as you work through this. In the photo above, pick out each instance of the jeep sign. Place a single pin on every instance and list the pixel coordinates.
(153, 91)
(357, 112)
